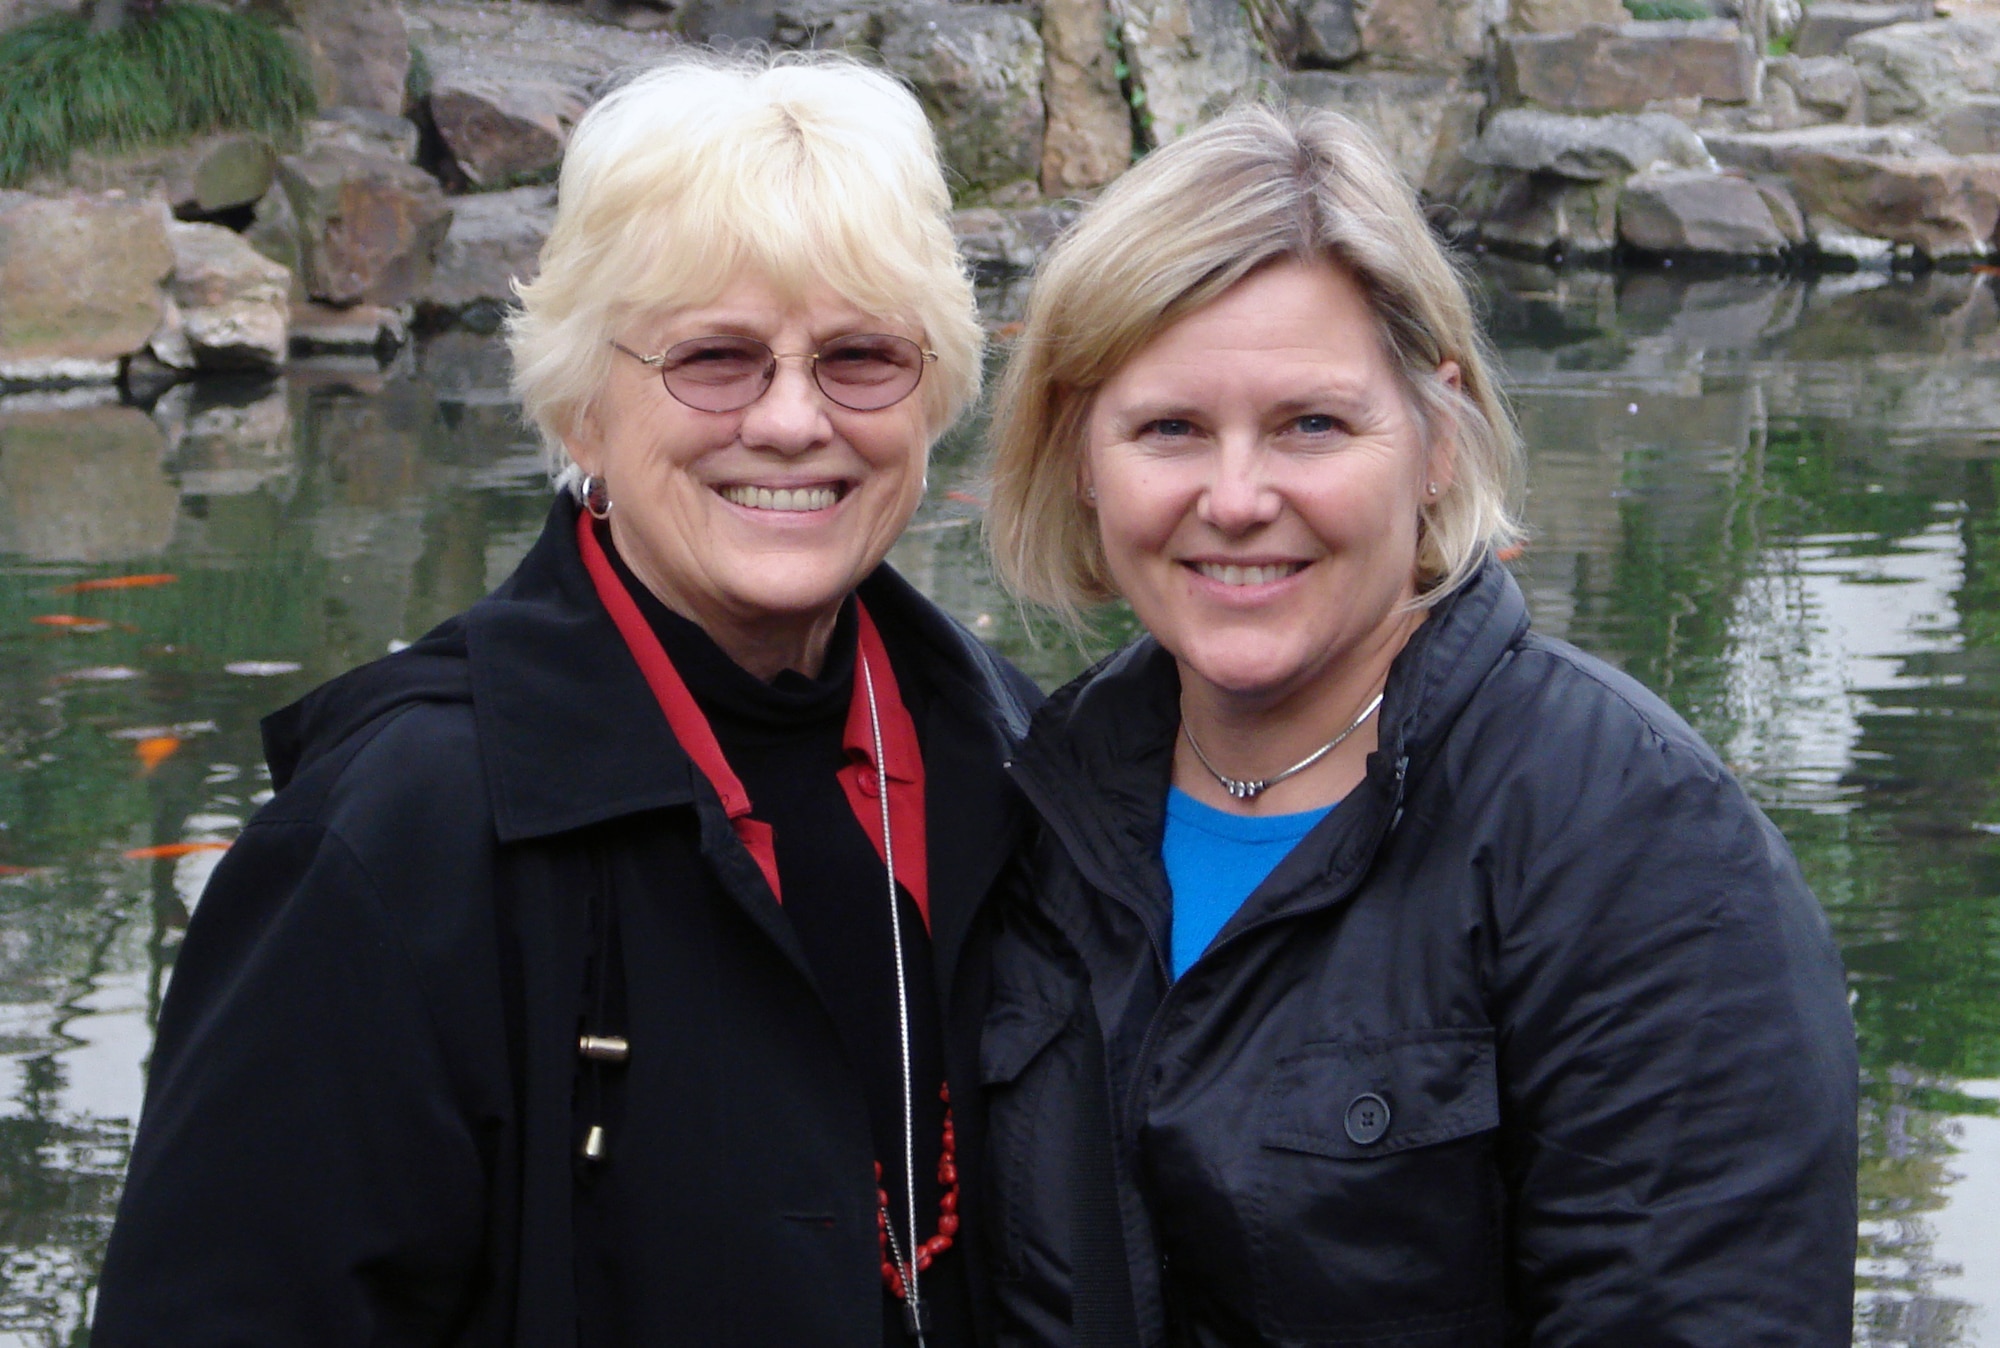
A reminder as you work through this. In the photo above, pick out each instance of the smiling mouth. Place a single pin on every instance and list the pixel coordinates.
(788, 499)
(1231, 574)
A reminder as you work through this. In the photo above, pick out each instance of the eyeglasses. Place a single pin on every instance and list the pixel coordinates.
(863, 373)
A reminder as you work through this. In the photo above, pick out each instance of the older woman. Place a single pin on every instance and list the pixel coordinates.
(1390, 974)
(606, 969)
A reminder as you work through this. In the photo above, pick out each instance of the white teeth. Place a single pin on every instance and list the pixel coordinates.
(784, 498)
(1232, 574)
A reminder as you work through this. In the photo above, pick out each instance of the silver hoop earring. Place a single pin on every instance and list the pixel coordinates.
(595, 494)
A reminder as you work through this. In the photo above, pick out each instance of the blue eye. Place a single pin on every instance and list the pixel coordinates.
(1317, 423)
(1171, 427)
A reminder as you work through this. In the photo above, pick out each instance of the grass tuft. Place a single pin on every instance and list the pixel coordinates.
(1668, 9)
(187, 70)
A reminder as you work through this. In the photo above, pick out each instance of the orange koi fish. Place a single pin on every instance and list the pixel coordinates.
(118, 583)
(71, 621)
(155, 750)
(1512, 552)
(171, 850)
(965, 498)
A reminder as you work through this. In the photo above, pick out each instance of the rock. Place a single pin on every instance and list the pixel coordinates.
(274, 233)
(1972, 127)
(1412, 115)
(1542, 213)
(995, 241)
(1603, 69)
(14, 13)
(370, 329)
(522, 40)
(728, 22)
(231, 299)
(1827, 85)
(1687, 211)
(1191, 59)
(79, 283)
(1785, 212)
(368, 225)
(977, 70)
(1088, 141)
(1774, 152)
(364, 131)
(1915, 70)
(1587, 149)
(494, 239)
(1441, 36)
(1325, 34)
(1828, 24)
(1564, 16)
(198, 177)
(1940, 206)
(169, 343)
(83, 484)
(502, 130)
(358, 51)
(835, 25)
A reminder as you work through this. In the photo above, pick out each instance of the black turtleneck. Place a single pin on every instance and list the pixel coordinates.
(784, 739)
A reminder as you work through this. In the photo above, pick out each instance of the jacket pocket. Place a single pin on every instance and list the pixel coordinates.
(1378, 1204)
(1029, 1069)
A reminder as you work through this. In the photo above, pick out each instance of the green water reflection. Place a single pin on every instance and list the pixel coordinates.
(1777, 503)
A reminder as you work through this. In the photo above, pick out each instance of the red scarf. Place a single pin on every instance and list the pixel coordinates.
(858, 779)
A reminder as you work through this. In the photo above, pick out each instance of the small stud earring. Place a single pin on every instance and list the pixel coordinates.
(1090, 495)
(1432, 488)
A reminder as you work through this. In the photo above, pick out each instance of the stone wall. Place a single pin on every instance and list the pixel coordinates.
(1560, 129)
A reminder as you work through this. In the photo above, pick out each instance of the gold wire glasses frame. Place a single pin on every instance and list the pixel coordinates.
(863, 372)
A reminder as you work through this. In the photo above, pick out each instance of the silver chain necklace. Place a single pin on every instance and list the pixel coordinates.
(1256, 786)
(914, 1319)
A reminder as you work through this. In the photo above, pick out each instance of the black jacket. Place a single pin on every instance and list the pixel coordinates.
(1539, 1038)
(366, 1103)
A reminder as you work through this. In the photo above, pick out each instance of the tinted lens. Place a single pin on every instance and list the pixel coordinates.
(718, 374)
(870, 371)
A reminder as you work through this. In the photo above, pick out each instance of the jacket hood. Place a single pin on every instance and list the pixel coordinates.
(1099, 756)
(568, 729)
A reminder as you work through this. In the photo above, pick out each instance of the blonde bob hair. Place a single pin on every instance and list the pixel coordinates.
(1256, 186)
(807, 169)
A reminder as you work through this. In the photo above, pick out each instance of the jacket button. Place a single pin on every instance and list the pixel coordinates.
(1367, 1119)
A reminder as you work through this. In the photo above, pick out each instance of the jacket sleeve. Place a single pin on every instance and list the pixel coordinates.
(1677, 1059)
(308, 1169)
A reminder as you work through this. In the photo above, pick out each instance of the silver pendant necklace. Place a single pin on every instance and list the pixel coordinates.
(1254, 787)
(914, 1320)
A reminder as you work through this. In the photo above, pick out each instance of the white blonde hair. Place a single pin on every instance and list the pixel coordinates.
(806, 169)
(1256, 186)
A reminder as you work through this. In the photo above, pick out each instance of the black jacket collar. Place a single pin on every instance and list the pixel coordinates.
(1099, 756)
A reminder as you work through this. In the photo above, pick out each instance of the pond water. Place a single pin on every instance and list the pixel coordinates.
(1776, 502)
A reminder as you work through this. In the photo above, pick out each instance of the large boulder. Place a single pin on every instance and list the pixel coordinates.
(1828, 24)
(365, 131)
(1545, 214)
(996, 241)
(368, 226)
(1443, 36)
(1775, 152)
(1564, 16)
(1826, 86)
(1089, 137)
(977, 70)
(495, 238)
(80, 283)
(1321, 33)
(1942, 206)
(501, 130)
(1421, 120)
(1603, 69)
(358, 51)
(231, 300)
(1191, 59)
(1687, 211)
(201, 176)
(1972, 127)
(1914, 70)
(1587, 149)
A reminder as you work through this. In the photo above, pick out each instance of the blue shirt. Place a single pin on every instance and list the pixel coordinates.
(1215, 859)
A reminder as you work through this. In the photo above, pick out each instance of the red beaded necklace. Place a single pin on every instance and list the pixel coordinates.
(892, 1259)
